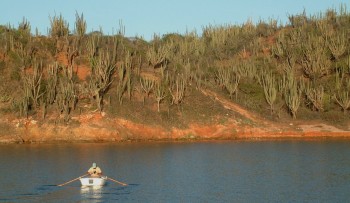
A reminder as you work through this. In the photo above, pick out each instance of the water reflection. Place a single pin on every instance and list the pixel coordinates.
(91, 192)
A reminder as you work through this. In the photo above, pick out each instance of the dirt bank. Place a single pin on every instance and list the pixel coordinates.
(97, 128)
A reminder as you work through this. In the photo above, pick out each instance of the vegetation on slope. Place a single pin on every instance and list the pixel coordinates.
(297, 71)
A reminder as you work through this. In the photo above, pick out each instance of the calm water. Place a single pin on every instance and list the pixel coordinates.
(267, 171)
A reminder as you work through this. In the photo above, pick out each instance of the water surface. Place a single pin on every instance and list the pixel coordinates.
(234, 171)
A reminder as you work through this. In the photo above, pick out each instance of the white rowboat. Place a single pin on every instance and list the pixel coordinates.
(93, 181)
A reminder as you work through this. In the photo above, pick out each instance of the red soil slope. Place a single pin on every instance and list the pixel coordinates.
(97, 127)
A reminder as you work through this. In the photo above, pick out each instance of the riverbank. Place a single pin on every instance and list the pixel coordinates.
(97, 128)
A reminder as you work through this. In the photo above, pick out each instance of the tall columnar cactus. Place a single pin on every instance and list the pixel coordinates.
(103, 67)
(93, 44)
(187, 70)
(339, 78)
(32, 82)
(52, 82)
(222, 40)
(199, 78)
(343, 100)
(298, 20)
(279, 48)
(160, 93)
(25, 102)
(59, 27)
(285, 48)
(26, 52)
(324, 27)
(101, 77)
(66, 95)
(157, 55)
(337, 43)
(292, 98)
(124, 82)
(292, 91)
(10, 43)
(232, 83)
(222, 75)
(71, 50)
(315, 96)
(229, 78)
(80, 25)
(248, 69)
(177, 89)
(316, 63)
(191, 45)
(24, 27)
(270, 90)
(147, 85)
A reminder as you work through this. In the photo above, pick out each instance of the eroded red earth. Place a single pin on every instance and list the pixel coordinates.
(98, 127)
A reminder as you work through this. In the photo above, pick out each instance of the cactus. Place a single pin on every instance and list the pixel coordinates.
(222, 40)
(92, 45)
(232, 83)
(325, 28)
(337, 44)
(269, 84)
(248, 69)
(66, 95)
(124, 82)
(52, 81)
(32, 82)
(315, 63)
(71, 50)
(146, 85)
(229, 78)
(292, 98)
(339, 77)
(80, 25)
(24, 27)
(221, 75)
(278, 49)
(25, 102)
(160, 94)
(103, 67)
(10, 43)
(59, 27)
(191, 45)
(177, 89)
(315, 96)
(298, 20)
(101, 77)
(292, 90)
(342, 98)
(188, 74)
(198, 78)
(156, 56)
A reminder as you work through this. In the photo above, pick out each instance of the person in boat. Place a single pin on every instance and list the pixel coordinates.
(95, 171)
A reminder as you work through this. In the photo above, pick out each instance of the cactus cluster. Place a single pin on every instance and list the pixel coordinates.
(304, 63)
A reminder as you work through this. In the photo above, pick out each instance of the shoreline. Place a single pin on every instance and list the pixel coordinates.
(314, 136)
(118, 130)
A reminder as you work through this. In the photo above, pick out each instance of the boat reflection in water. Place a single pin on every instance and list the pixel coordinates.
(91, 192)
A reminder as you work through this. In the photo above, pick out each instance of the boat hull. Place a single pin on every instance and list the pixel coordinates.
(93, 181)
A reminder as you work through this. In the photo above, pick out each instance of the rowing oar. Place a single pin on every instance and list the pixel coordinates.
(72, 180)
(123, 184)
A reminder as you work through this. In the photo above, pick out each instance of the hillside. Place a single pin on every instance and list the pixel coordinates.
(259, 80)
